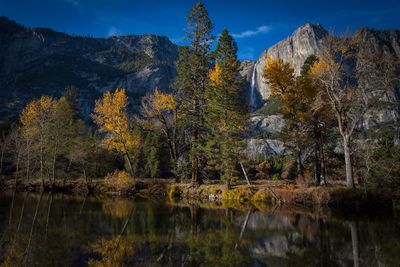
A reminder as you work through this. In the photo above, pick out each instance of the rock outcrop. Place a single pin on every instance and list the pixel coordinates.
(272, 124)
(261, 148)
(295, 49)
(41, 61)
(308, 40)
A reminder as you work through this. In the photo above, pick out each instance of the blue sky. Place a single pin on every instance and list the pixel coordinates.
(255, 24)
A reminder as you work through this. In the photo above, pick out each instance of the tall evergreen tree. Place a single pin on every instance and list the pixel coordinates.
(226, 112)
(193, 76)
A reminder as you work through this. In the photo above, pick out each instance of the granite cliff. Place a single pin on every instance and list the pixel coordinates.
(36, 61)
(305, 41)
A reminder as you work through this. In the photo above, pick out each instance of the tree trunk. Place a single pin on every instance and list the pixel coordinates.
(348, 162)
(41, 162)
(86, 179)
(244, 225)
(194, 215)
(3, 148)
(298, 163)
(128, 158)
(196, 181)
(195, 172)
(317, 170)
(245, 174)
(48, 214)
(33, 224)
(354, 242)
(28, 164)
(323, 163)
(53, 171)
(17, 168)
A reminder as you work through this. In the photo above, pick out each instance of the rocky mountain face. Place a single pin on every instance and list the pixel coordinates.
(41, 61)
(305, 41)
(308, 40)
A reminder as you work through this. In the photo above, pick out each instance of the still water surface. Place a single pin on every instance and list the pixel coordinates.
(61, 230)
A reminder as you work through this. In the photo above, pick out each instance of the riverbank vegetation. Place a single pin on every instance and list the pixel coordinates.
(199, 130)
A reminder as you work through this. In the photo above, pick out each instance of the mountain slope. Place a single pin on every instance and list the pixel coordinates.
(308, 39)
(41, 61)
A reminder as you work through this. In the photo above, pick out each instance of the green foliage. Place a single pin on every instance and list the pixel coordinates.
(383, 161)
(153, 162)
(226, 111)
(308, 63)
(272, 166)
(190, 84)
(270, 108)
(276, 163)
(152, 154)
(276, 177)
(137, 62)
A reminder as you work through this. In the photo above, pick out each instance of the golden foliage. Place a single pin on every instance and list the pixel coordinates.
(216, 74)
(36, 115)
(119, 180)
(118, 208)
(163, 101)
(112, 118)
(322, 67)
(318, 68)
(114, 252)
(279, 74)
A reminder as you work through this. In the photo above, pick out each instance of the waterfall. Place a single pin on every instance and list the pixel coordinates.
(253, 85)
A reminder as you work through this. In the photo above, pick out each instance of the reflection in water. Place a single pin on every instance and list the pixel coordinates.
(61, 230)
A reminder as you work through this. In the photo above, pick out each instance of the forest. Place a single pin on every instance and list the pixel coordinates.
(198, 131)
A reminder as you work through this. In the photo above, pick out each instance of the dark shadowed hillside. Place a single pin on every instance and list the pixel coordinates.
(41, 61)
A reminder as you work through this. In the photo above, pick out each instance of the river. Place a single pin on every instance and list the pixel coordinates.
(63, 230)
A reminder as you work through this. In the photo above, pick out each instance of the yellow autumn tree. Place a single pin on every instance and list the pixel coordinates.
(216, 74)
(36, 126)
(160, 116)
(110, 114)
(280, 76)
(113, 252)
(305, 114)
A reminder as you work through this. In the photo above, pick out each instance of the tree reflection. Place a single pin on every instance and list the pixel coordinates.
(115, 232)
(118, 208)
(117, 251)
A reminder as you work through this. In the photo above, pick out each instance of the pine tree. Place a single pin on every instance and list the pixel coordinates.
(226, 112)
(193, 76)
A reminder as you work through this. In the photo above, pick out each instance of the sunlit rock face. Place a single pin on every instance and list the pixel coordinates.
(272, 124)
(305, 41)
(259, 148)
(37, 61)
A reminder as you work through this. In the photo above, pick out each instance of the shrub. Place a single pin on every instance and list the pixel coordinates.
(270, 108)
(119, 180)
(276, 177)
(174, 192)
(262, 196)
(273, 166)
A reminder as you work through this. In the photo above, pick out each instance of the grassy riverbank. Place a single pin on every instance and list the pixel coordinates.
(261, 194)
